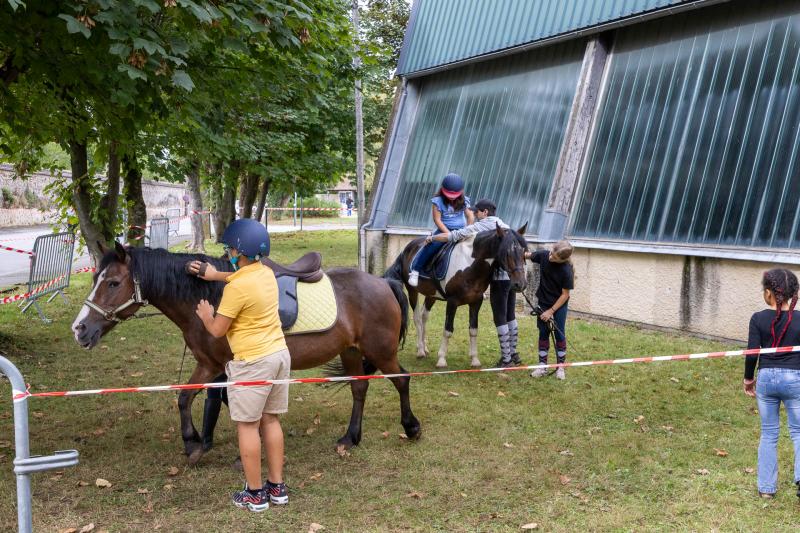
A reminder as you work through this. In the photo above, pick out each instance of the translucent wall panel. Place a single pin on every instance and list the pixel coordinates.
(697, 135)
(499, 124)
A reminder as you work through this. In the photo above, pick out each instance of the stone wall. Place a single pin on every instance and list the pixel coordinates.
(158, 197)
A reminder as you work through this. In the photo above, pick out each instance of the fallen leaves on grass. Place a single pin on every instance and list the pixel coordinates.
(385, 434)
(749, 470)
(99, 432)
(720, 453)
(402, 436)
(83, 484)
(142, 491)
(702, 472)
(532, 525)
(639, 419)
(501, 394)
(675, 380)
(102, 483)
(329, 404)
(173, 471)
(87, 528)
(415, 494)
(669, 429)
(453, 393)
(299, 399)
(311, 430)
(507, 445)
(565, 480)
(38, 414)
(316, 419)
(342, 451)
(504, 377)
(169, 486)
(137, 374)
(566, 453)
(316, 477)
(314, 527)
(68, 530)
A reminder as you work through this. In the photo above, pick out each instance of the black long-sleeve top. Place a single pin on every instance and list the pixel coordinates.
(761, 337)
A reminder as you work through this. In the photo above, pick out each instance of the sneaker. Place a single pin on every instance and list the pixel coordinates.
(516, 359)
(277, 493)
(257, 502)
(413, 278)
(560, 374)
(766, 495)
(538, 372)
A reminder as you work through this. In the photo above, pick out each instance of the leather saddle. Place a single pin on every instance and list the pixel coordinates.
(437, 267)
(307, 269)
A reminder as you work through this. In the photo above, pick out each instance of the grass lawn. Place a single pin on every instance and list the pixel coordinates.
(610, 449)
(286, 220)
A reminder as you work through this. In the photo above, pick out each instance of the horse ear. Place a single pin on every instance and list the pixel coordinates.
(523, 229)
(499, 230)
(122, 254)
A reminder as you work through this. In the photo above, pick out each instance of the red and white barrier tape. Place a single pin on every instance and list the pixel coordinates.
(10, 249)
(306, 208)
(22, 395)
(37, 290)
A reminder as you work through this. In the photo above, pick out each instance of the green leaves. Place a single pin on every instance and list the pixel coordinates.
(132, 72)
(181, 79)
(75, 26)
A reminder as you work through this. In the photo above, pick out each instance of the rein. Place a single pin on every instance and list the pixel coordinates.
(112, 315)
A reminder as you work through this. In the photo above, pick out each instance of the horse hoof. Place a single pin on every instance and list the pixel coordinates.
(195, 455)
(414, 433)
(422, 355)
(441, 364)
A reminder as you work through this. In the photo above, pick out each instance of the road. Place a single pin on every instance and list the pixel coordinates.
(14, 267)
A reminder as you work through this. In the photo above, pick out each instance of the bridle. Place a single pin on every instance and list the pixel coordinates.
(112, 315)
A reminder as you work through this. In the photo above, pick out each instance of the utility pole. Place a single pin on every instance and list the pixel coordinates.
(359, 141)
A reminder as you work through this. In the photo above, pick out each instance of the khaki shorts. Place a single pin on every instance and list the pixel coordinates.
(247, 404)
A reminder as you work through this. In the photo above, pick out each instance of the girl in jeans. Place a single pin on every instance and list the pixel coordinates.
(778, 375)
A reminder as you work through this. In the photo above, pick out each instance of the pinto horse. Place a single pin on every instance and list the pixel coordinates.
(469, 273)
(371, 323)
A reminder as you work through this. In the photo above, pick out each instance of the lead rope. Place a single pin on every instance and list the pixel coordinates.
(536, 311)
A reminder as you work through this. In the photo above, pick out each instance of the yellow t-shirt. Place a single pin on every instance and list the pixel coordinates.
(250, 298)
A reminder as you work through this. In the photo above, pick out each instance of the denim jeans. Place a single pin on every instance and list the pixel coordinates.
(426, 253)
(776, 385)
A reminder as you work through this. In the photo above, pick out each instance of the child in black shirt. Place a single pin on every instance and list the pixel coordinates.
(778, 374)
(556, 279)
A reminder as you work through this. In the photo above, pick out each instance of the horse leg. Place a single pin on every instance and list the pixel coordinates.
(402, 384)
(192, 443)
(446, 334)
(429, 302)
(474, 309)
(419, 325)
(353, 366)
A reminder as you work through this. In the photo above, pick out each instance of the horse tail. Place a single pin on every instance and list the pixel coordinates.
(397, 289)
(335, 369)
(395, 272)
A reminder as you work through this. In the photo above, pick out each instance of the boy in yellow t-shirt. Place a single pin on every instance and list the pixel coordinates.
(248, 317)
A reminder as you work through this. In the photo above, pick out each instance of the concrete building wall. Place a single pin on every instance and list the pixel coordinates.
(696, 295)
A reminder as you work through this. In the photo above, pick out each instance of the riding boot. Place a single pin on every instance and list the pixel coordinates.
(505, 346)
(210, 415)
(513, 331)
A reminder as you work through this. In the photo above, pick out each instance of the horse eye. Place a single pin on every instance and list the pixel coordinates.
(113, 284)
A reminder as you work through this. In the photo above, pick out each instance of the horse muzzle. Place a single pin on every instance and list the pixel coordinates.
(87, 335)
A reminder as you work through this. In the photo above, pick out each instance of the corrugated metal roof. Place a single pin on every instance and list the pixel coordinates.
(446, 31)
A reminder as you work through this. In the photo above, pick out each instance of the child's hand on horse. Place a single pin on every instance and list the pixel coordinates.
(202, 270)
(204, 310)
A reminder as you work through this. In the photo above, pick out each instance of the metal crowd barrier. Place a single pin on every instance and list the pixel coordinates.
(174, 216)
(24, 464)
(51, 260)
(159, 232)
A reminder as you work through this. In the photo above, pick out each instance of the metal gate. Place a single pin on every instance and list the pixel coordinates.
(159, 232)
(51, 265)
(174, 216)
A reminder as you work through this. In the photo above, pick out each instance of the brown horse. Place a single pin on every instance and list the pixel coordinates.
(471, 268)
(371, 323)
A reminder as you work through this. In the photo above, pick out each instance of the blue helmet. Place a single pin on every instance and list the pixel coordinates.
(452, 185)
(248, 236)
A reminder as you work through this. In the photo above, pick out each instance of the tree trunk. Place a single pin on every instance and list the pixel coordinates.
(137, 211)
(262, 198)
(110, 200)
(247, 195)
(197, 244)
(82, 199)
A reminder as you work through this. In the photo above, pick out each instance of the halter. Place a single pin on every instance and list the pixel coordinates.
(136, 298)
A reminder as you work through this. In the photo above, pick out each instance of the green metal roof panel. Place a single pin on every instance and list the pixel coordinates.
(446, 31)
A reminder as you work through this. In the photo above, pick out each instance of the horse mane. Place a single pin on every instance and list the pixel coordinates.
(489, 241)
(162, 275)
